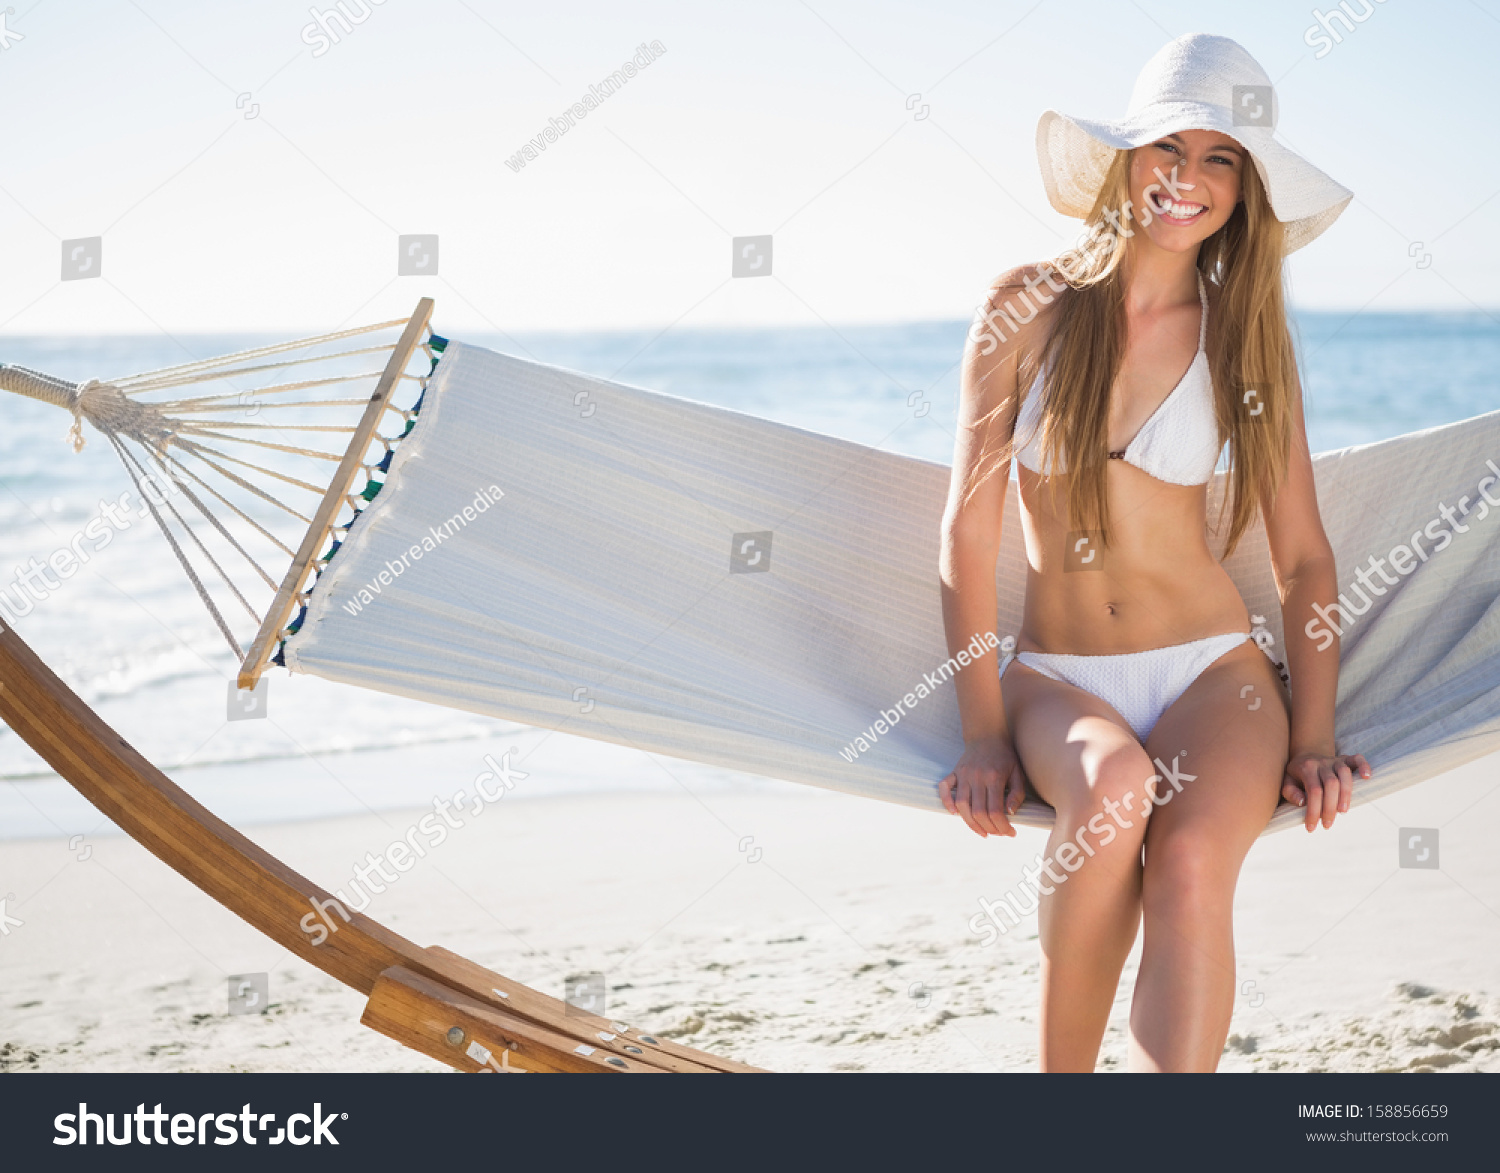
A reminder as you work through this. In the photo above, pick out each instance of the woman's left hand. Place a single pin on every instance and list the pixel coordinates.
(1323, 783)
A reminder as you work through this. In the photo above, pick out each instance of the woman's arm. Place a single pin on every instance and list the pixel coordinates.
(986, 786)
(1302, 561)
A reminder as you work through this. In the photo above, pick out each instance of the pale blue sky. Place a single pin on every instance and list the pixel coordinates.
(774, 117)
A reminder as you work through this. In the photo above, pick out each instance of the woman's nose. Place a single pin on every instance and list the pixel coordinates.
(1180, 172)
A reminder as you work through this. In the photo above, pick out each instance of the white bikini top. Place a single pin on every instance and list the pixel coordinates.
(1179, 442)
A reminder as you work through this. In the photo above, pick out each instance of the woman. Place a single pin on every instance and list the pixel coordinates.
(1139, 706)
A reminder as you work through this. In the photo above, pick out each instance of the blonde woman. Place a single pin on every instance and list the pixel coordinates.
(1138, 704)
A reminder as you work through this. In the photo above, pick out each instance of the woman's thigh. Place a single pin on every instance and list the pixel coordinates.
(1075, 749)
(1220, 751)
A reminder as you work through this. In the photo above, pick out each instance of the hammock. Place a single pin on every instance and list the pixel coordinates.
(568, 552)
(564, 551)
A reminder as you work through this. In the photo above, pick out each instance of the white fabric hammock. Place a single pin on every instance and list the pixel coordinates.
(596, 593)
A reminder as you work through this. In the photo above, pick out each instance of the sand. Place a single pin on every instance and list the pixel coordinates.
(794, 929)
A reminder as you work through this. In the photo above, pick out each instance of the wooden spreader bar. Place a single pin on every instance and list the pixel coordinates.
(280, 610)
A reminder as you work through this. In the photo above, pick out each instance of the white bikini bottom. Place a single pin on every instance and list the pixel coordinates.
(1140, 685)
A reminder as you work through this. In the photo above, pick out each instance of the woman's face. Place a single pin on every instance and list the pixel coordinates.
(1184, 186)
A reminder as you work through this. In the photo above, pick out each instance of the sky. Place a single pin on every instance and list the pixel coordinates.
(244, 172)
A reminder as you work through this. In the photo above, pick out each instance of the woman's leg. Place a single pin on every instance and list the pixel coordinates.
(1080, 756)
(1224, 741)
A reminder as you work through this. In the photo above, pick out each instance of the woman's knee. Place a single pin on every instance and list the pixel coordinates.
(1117, 773)
(1108, 810)
(1187, 874)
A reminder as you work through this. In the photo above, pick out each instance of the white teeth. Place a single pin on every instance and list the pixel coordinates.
(1179, 211)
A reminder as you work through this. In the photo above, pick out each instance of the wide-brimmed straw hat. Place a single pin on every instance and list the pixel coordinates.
(1197, 82)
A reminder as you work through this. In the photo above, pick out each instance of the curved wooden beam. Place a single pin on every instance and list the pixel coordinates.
(429, 999)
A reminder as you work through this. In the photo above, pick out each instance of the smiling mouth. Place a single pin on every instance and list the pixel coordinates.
(1176, 211)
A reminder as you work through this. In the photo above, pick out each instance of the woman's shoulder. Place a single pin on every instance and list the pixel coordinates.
(1025, 278)
(1017, 304)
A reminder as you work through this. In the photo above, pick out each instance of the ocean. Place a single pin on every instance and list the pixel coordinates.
(128, 633)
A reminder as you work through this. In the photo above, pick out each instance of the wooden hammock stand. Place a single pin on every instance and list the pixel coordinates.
(428, 999)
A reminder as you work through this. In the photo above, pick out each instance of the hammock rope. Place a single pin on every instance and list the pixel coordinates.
(175, 444)
(182, 469)
(260, 351)
(182, 559)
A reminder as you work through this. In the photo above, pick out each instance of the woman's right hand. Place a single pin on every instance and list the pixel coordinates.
(986, 787)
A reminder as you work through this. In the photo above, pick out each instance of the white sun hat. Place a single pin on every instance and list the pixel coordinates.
(1197, 82)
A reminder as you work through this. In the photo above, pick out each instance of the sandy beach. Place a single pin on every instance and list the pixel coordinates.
(794, 929)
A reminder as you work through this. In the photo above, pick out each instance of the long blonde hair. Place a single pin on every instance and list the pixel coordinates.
(1250, 355)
